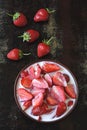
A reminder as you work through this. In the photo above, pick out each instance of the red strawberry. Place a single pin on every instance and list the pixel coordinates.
(37, 100)
(41, 109)
(40, 83)
(42, 15)
(48, 79)
(26, 82)
(26, 104)
(59, 79)
(50, 67)
(36, 91)
(43, 48)
(61, 109)
(24, 95)
(35, 71)
(19, 19)
(70, 103)
(16, 54)
(66, 77)
(51, 101)
(30, 35)
(58, 93)
(69, 89)
(24, 73)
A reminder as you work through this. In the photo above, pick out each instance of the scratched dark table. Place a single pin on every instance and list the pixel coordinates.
(68, 25)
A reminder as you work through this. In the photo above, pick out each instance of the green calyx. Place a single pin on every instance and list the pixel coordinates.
(48, 42)
(25, 36)
(16, 16)
(21, 54)
(50, 11)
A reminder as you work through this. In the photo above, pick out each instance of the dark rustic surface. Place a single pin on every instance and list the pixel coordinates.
(69, 27)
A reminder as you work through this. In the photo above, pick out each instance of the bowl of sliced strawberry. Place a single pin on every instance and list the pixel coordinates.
(46, 91)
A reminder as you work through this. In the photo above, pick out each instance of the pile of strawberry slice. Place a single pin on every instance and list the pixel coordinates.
(45, 88)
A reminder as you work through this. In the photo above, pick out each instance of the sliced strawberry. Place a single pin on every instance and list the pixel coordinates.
(48, 79)
(26, 104)
(59, 79)
(36, 91)
(51, 101)
(37, 111)
(66, 77)
(24, 73)
(70, 103)
(61, 109)
(35, 71)
(24, 95)
(26, 82)
(69, 89)
(37, 100)
(40, 83)
(58, 93)
(50, 67)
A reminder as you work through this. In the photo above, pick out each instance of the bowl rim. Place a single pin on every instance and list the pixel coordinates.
(54, 61)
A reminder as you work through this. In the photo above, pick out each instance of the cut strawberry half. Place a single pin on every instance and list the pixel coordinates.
(26, 82)
(66, 77)
(48, 79)
(24, 95)
(70, 91)
(49, 67)
(36, 91)
(61, 108)
(58, 93)
(35, 71)
(70, 103)
(37, 111)
(24, 73)
(26, 104)
(59, 79)
(40, 83)
(51, 101)
(37, 100)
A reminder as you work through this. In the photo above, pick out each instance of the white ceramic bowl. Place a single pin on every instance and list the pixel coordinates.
(50, 116)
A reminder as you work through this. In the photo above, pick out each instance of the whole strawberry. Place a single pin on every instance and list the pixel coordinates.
(30, 35)
(42, 14)
(15, 54)
(43, 48)
(19, 19)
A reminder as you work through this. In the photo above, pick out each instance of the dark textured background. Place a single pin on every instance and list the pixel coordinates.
(69, 27)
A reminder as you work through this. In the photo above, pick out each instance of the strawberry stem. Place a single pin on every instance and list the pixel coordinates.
(50, 11)
(26, 54)
(25, 36)
(48, 42)
(9, 14)
(20, 36)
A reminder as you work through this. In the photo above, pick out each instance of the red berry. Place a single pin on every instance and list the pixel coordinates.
(69, 89)
(30, 35)
(19, 19)
(26, 104)
(59, 79)
(15, 54)
(42, 15)
(49, 67)
(66, 77)
(26, 82)
(61, 108)
(43, 48)
(24, 95)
